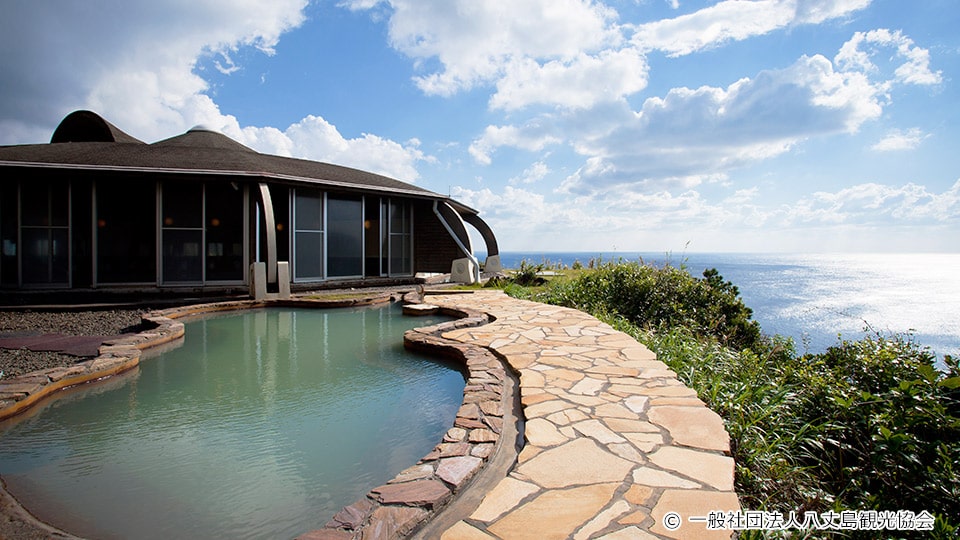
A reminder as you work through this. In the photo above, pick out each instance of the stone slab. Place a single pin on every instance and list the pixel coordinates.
(417, 493)
(692, 426)
(555, 514)
(578, 462)
(504, 497)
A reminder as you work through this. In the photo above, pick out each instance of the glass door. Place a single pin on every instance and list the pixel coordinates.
(344, 236)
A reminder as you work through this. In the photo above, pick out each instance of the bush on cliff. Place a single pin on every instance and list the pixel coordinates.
(653, 297)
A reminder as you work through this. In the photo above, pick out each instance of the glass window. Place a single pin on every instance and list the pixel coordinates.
(182, 247)
(8, 233)
(182, 255)
(308, 235)
(126, 218)
(224, 242)
(345, 237)
(183, 205)
(34, 204)
(401, 238)
(309, 250)
(400, 245)
(400, 222)
(309, 210)
(45, 232)
(36, 254)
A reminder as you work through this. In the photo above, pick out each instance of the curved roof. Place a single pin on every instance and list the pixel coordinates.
(88, 126)
(84, 140)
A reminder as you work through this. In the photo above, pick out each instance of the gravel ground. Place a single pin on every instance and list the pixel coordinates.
(15, 362)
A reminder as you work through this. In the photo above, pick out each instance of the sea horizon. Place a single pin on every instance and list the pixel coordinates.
(819, 298)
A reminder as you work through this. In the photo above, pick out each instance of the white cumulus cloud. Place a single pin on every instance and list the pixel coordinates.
(463, 43)
(691, 135)
(534, 173)
(735, 20)
(530, 137)
(900, 140)
(912, 65)
(580, 82)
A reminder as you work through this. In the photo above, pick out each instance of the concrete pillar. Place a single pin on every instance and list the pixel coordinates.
(492, 264)
(258, 280)
(283, 278)
(463, 271)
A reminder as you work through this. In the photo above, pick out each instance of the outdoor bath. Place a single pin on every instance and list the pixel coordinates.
(259, 423)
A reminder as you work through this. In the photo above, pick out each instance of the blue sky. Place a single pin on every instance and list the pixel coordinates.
(627, 125)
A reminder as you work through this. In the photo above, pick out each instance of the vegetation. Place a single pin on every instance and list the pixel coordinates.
(866, 425)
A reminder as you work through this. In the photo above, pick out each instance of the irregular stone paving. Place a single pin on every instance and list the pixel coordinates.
(613, 441)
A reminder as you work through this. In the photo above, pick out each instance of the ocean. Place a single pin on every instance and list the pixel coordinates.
(818, 298)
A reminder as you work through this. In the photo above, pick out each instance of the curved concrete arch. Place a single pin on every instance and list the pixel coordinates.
(492, 264)
(485, 232)
(266, 204)
(453, 221)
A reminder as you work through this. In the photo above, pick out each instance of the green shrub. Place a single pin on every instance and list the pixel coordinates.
(529, 274)
(662, 297)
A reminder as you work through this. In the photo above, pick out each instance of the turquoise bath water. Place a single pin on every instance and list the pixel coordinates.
(260, 424)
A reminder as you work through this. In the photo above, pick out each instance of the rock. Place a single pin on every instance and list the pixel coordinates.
(457, 470)
(418, 493)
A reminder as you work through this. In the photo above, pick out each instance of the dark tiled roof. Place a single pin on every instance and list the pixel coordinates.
(198, 151)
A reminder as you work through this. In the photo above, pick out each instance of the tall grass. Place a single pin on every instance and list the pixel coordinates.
(866, 425)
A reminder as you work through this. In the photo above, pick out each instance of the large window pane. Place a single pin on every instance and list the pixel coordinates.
(34, 204)
(126, 232)
(182, 246)
(224, 232)
(309, 250)
(36, 254)
(344, 237)
(8, 233)
(399, 217)
(59, 204)
(182, 255)
(45, 231)
(183, 204)
(400, 254)
(309, 210)
(308, 235)
(401, 238)
(59, 255)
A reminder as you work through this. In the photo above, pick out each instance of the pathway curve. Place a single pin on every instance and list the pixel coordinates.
(613, 441)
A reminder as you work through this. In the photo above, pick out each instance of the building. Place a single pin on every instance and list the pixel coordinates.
(99, 210)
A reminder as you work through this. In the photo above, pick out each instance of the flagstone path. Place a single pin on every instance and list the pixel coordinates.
(613, 441)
